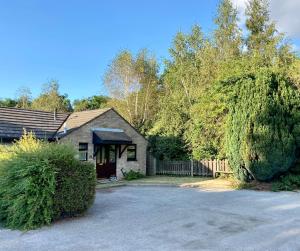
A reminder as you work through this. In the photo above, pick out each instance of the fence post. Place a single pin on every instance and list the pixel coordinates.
(154, 165)
(192, 167)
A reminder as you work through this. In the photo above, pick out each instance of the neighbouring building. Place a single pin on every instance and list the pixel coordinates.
(101, 136)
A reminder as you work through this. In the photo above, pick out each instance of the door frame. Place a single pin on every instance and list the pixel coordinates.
(111, 168)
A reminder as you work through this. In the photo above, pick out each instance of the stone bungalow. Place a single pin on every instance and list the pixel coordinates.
(101, 136)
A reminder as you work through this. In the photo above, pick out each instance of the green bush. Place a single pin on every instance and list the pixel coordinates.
(289, 182)
(168, 147)
(133, 175)
(263, 125)
(41, 183)
(75, 181)
(5, 152)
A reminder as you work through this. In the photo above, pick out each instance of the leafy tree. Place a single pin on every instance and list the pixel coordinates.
(261, 30)
(180, 79)
(227, 35)
(265, 44)
(263, 129)
(91, 103)
(168, 148)
(8, 102)
(132, 82)
(50, 99)
(294, 72)
(23, 98)
(205, 130)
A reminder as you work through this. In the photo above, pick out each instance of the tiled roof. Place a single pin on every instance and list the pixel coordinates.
(78, 119)
(42, 124)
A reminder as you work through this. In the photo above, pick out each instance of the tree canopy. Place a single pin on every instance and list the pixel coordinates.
(91, 103)
(132, 81)
(50, 99)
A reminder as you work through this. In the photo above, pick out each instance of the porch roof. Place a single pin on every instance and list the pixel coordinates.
(111, 137)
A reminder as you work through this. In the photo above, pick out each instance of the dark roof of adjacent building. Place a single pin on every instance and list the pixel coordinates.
(43, 124)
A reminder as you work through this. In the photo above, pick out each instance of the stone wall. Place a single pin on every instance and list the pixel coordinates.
(111, 119)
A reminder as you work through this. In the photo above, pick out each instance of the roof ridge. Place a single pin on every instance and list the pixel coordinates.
(32, 110)
(98, 109)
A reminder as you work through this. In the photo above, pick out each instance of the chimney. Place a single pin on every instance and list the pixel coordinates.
(55, 114)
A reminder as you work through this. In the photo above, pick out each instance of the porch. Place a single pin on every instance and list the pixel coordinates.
(109, 147)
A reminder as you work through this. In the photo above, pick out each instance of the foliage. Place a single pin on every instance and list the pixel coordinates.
(192, 106)
(23, 98)
(168, 148)
(181, 81)
(27, 186)
(205, 132)
(194, 96)
(41, 182)
(263, 125)
(133, 83)
(265, 45)
(133, 175)
(5, 152)
(7, 102)
(294, 72)
(91, 103)
(50, 99)
(75, 181)
(227, 35)
(289, 182)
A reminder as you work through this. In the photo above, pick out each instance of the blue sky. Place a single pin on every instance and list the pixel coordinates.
(74, 41)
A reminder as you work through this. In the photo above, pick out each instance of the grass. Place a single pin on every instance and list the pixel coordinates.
(168, 180)
(196, 182)
(223, 182)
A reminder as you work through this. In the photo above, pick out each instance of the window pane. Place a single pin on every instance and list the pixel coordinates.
(83, 151)
(112, 153)
(82, 155)
(131, 152)
(83, 146)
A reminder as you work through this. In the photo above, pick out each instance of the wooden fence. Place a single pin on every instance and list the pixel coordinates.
(193, 168)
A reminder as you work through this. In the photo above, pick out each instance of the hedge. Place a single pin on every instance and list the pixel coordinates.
(42, 182)
(262, 131)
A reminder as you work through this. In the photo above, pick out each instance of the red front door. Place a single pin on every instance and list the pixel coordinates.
(106, 160)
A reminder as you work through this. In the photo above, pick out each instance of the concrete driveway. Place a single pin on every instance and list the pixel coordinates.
(171, 218)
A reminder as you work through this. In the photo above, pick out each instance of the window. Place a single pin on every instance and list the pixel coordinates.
(83, 151)
(131, 153)
(112, 154)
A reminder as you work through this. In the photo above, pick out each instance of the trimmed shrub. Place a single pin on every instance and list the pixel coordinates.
(133, 175)
(75, 183)
(263, 126)
(43, 182)
(27, 187)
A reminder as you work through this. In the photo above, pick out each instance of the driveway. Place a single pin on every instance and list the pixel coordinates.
(172, 218)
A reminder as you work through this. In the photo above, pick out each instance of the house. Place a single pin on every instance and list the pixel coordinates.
(101, 136)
